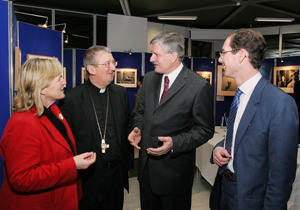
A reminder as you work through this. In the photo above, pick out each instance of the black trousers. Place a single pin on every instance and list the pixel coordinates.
(151, 201)
(110, 195)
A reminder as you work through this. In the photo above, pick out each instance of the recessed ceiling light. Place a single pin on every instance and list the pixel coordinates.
(274, 19)
(177, 17)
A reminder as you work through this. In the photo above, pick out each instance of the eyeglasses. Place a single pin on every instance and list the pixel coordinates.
(223, 52)
(108, 64)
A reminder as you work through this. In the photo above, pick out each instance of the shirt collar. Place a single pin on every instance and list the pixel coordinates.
(248, 86)
(173, 75)
(94, 88)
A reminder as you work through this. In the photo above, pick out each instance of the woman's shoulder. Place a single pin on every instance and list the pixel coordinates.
(26, 116)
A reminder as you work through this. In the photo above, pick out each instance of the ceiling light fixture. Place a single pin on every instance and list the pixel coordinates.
(125, 7)
(128, 51)
(44, 25)
(67, 39)
(64, 29)
(177, 17)
(274, 19)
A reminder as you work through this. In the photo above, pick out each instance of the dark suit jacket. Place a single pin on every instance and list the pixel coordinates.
(265, 153)
(78, 110)
(186, 115)
(40, 172)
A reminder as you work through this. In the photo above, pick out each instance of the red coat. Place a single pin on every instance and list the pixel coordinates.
(39, 169)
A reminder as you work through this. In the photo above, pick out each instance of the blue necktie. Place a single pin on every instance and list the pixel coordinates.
(230, 123)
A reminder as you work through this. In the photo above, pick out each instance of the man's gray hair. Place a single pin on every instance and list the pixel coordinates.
(90, 54)
(171, 42)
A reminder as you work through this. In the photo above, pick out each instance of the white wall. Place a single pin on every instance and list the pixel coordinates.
(135, 33)
(126, 32)
(157, 28)
(221, 34)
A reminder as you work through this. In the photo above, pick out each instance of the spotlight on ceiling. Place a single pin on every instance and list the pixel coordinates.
(177, 17)
(67, 39)
(274, 19)
(60, 24)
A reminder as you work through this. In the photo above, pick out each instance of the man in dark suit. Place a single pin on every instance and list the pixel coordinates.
(98, 113)
(259, 171)
(173, 118)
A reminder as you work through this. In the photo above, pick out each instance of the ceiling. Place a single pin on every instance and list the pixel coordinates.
(212, 14)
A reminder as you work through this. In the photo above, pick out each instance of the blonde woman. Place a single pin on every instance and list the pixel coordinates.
(37, 145)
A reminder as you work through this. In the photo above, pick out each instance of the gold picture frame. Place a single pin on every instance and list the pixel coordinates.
(285, 77)
(65, 75)
(207, 75)
(84, 75)
(126, 77)
(29, 56)
(18, 65)
(226, 86)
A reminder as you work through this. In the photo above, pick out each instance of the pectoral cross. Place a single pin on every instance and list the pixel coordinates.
(104, 146)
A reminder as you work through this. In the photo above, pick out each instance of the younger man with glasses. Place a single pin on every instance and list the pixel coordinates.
(258, 157)
(99, 115)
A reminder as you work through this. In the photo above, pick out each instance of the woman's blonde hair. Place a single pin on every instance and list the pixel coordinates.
(35, 74)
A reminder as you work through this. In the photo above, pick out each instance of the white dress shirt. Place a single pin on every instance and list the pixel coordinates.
(247, 89)
(172, 76)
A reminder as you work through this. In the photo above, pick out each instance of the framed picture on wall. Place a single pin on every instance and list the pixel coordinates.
(207, 75)
(65, 75)
(18, 64)
(126, 77)
(84, 75)
(285, 77)
(40, 56)
(226, 86)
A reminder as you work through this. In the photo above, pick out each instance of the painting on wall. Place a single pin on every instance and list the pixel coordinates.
(285, 77)
(226, 86)
(18, 64)
(28, 56)
(207, 75)
(84, 75)
(126, 77)
(65, 75)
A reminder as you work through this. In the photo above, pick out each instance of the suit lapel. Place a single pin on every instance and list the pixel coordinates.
(179, 82)
(88, 111)
(157, 86)
(249, 112)
(55, 133)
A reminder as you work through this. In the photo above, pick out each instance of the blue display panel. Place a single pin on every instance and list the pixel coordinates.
(125, 60)
(36, 40)
(148, 65)
(79, 65)
(68, 66)
(4, 74)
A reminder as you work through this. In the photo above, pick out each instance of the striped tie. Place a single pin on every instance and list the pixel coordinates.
(230, 123)
(166, 87)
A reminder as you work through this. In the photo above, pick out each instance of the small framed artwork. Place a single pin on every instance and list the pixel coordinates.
(40, 56)
(126, 77)
(285, 77)
(18, 64)
(65, 75)
(207, 75)
(84, 75)
(226, 86)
